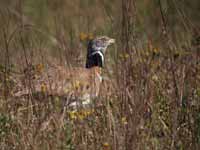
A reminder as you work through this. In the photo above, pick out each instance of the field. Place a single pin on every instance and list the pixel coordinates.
(150, 95)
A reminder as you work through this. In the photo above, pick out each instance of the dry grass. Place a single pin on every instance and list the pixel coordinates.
(150, 97)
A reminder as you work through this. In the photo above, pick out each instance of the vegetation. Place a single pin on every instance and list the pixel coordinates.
(153, 73)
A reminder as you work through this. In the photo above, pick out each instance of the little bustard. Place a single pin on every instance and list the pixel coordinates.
(79, 85)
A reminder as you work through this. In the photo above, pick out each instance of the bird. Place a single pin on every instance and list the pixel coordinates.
(96, 50)
(78, 84)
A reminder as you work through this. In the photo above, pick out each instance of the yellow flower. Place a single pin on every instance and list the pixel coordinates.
(83, 36)
(155, 77)
(43, 87)
(124, 56)
(39, 68)
(106, 145)
(76, 85)
(66, 90)
(82, 114)
(88, 112)
(155, 50)
(124, 120)
(73, 115)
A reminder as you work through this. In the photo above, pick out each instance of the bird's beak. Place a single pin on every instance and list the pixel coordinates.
(111, 41)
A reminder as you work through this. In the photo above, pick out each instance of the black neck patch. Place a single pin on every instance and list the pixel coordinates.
(95, 56)
(95, 59)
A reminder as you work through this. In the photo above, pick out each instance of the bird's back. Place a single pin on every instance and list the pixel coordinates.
(62, 81)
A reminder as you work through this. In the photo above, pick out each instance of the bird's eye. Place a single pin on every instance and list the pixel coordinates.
(104, 39)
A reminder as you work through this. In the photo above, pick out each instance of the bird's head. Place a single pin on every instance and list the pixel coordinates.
(101, 43)
(96, 50)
